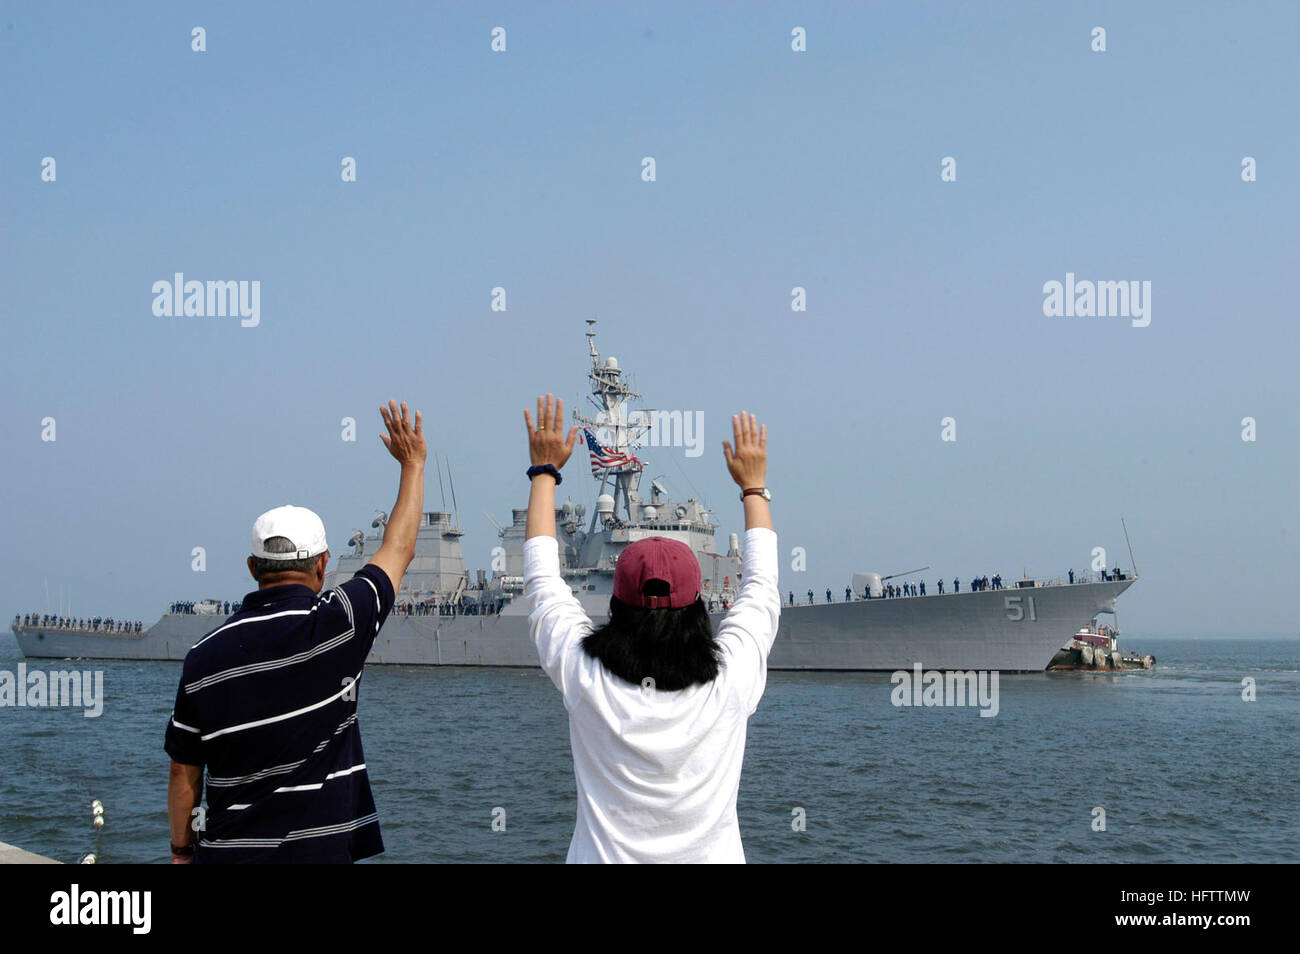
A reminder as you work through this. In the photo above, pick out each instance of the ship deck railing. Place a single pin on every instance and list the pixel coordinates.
(81, 630)
(1006, 587)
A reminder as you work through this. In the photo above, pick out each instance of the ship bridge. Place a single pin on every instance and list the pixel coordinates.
(436, 573)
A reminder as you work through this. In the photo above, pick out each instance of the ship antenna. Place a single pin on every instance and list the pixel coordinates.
(690, 483)
(1132, 562)
(452, 482)
(442, 493)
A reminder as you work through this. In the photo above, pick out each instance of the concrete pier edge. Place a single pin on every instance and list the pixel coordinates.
(9, 855)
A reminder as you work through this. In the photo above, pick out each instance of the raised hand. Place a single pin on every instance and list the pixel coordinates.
(404, 440)
(546, 442)
(747, 460)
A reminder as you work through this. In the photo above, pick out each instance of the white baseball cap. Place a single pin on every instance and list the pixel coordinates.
(298, 524)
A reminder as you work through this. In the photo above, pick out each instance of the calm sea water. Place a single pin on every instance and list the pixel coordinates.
(1183, 767)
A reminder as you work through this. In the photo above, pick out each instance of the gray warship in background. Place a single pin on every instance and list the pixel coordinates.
(444, 617)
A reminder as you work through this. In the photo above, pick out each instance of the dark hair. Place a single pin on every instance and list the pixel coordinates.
(674, 647)
(264, 567)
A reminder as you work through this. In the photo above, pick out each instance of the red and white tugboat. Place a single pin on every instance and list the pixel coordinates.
(1097, 647)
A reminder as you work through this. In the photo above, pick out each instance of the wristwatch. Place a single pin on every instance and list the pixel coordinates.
(761, 491)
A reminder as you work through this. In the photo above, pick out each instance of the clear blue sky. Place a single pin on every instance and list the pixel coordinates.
(775, 169)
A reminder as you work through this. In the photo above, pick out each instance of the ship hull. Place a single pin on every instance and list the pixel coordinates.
(987, 630)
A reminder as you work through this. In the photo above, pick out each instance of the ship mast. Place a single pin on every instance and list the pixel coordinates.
(610, 393)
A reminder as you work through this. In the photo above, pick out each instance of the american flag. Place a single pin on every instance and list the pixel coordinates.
(603, 458)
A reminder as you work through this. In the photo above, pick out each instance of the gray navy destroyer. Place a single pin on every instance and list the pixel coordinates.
(443, 616)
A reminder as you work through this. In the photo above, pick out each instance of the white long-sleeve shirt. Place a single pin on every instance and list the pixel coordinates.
(657, 772)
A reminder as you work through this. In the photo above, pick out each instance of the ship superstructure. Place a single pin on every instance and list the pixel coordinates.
(437, 581)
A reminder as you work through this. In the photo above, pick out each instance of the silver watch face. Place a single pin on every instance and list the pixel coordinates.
(764, 493)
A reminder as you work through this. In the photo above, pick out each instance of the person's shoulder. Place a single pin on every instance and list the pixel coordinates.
(205, 656)
(377, 577)
(369, 581)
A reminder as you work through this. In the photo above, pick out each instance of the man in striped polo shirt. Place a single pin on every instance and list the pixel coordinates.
(268, 700)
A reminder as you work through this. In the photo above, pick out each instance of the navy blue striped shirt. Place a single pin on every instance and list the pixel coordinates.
(268, 705)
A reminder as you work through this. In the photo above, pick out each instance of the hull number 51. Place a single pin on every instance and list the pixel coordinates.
(1016, 609)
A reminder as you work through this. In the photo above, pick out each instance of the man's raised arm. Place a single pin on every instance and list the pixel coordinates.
(405, 441)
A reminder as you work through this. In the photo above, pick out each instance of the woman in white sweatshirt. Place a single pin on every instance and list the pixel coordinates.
(658, 703)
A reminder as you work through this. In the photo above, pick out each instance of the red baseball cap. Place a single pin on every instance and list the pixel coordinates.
(657, 558)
